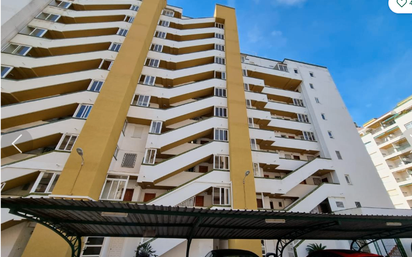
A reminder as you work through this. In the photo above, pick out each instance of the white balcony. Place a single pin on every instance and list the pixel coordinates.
(286, 107)
(280, 92)
(174, 74)
(289, 124)
(296, 144)
(185, 57)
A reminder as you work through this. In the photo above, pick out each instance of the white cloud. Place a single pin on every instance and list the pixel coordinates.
(289, 2)
(276, 33)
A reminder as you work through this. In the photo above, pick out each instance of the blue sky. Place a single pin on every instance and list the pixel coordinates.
(366, 47)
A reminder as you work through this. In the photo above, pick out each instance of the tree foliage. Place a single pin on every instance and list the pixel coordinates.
(315, 247)
(145, 250)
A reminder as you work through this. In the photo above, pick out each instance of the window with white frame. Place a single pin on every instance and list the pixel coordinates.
(242, 59)
(244, 72)
(36, 32)
(83, 111)
(298, 102)
(221, 196)
(164, 23)
(317, 100)
(221, 162)
(148, 80)
(16, 49)
(296, 71)
(106, 64)
(323, 116)
(348, 180)
(220, 111)
(246, 86)
(219, 47)
(169, 13)
(66, 142)
(115, 47)
(308, 136)
(45, 182)
(152, 62)
(311, 74)
(249, 103)
(129, 19)
(303, 118)
(160, 34)
(114, 187)
(407, 125)
(5, 70)
(220, 36)
(330, 134)
(219, 60)
(250, 122)
(150, 156)
(256, 170)
(92, 246)
(141, 100)
(64, 5)
(338, 155)
(129, 160)
(95, 85)
(122, 32)
(219, 25)
(47, 16)
(358, 204)
(311, 86)
(340, 204)
(156, 127)
(134, 7)
(220, 92)
(116, 152)
(253, 144)
(223, 75)
(221, 134)
(156, 48)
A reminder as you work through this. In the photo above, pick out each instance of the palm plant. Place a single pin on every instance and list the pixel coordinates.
(145, 250)
(315, 247)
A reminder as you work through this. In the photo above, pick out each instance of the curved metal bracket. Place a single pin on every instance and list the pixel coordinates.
(73, 239)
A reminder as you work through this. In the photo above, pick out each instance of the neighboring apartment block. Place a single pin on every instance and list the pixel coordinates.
(388, 140)
(165, 110)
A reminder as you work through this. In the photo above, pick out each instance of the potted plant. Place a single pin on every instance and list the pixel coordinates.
(315, 247)
(145, 250)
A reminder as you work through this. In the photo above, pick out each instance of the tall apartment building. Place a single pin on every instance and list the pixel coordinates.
(388, 140)
(165, 110)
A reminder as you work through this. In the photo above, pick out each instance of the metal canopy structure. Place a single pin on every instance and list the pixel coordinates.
(73, 219)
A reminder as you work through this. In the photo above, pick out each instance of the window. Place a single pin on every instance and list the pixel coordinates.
(115, 47)
(134, 7)
(147, 80)
(298, 102)
(308, 136)
(250, 122)
(338, 155)
(256, 170)
(358, 204)
(311, 74)
(45, 182)
(330, 134)
(156, 48)
(16, 49)
(246, 86)
(221, 162)
(296, 71)
(83, 111)
(221, 134)
(92, 246)
(220, 92)
(124, 127)
(220, 60)
(311, 86)
(281, 67)
(219, 47)
(114, 188)
(122, 32)
(169, 13)
(221, 196)
(220, 112)
(407, 125)
(67, 142)
(253, 144)
(36, 32)
(156, 127)
(64, 5)
(323, 116)
(150, 156)
(95, 85)
(218, 35)
(164, 23)
(248, 103)
(223, 75)
(129, 19)
(244, 72)
(48, 17)
(303, 118)
(219, 25)
(5, 70)
(317, 100)
(129, 160)
(116, 152)
(106, 65)
(141, 100)
(348, 180)
(340, 204)
(160, 34)
(242, 59)
(152, 63)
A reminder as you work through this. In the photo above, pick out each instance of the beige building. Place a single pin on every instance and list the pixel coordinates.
(165, 109)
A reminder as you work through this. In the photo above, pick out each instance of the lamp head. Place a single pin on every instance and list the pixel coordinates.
(247, 173)
(79, 151)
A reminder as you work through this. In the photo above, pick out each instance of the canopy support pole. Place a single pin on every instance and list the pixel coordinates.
(192, 232)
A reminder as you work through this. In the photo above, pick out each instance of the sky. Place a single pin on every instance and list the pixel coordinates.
(366, 47)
